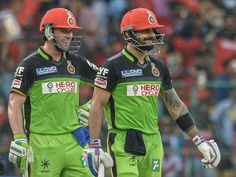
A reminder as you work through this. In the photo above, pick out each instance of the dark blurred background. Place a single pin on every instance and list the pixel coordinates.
(200, 51)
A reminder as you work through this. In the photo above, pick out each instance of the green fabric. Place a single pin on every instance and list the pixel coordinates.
(57, 155)
(128, 114)
(19, 135)
(138, 166)
(51, 108)
(87, 105)
(45, 56)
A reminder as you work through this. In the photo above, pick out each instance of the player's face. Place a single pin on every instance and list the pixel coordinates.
(63, 37)
(147, 36)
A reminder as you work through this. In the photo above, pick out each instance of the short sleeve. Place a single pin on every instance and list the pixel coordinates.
(106, 79)
(167, 82)
(23, 78)
(88, 72)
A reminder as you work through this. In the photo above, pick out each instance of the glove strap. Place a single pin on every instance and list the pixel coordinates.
(95, 143)
(198, 139)
(19, 136)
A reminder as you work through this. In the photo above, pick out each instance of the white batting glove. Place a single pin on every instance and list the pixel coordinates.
(95, 155)
(20, 152)
(209, 150)
(83, 113)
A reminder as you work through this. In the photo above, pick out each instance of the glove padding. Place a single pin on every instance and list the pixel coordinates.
(21, 153)
(212, 156)
(95, 155)
(83, 113)
(210, 152)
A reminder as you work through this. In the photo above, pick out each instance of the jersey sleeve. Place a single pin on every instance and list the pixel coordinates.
(23, 78)
(167, 83)
(105, 77)
(88, 72)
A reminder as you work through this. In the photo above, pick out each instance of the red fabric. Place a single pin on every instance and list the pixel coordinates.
(187, 47)
(224, 49)
(25, 10)
(14, 51)
(146, 4)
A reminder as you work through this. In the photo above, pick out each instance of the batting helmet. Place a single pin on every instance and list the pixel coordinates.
(139, 19)
(59, 18)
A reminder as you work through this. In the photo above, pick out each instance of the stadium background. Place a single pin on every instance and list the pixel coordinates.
(200, 51)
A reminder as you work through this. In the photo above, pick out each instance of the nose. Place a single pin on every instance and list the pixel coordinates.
(150, 32)
(69, 35)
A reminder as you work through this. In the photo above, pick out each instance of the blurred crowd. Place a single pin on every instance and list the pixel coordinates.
(200, 51)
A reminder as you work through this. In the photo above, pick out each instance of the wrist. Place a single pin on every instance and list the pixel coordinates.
(19, 136)
(198, 139)
(95, 143)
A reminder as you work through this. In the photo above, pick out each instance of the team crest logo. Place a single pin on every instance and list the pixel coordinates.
(155, 70)
(70, 67)
(151, 18)
(70, 19)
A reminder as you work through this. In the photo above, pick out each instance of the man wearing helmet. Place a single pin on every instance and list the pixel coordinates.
(44, 103)
(127, 86)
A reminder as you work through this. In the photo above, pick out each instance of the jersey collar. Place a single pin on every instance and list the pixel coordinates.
(132, 58)
(47, 56)
(44, 54)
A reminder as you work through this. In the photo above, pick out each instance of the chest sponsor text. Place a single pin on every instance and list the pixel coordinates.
(143, 90)
(59, 87)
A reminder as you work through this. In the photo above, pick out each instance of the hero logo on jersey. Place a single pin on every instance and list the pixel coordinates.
(131, 73)
(59, 87)
(46, 70)
(16, 83)
(143, 90)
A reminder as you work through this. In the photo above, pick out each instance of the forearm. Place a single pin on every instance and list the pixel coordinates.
(15, 118)
(95, 121)
(174, 104)
(179, 112)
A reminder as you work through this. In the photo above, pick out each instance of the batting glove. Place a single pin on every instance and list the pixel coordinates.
(95, 155)
(209, 150)
(83, 113)
(21, 153)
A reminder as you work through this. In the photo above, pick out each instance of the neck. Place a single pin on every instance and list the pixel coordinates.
(139, 55)
(52, 51)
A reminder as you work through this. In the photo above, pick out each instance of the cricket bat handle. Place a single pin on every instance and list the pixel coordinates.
(101, 170)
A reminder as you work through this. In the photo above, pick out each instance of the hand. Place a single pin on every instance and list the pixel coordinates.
(83, 113)
(209, 150)
(95, 155)
(21, 153)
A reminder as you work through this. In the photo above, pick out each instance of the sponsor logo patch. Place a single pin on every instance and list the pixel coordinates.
(100, 82)
(143, 90)
(16, 83)
(131, 73)
(92, 65)
(45, 164)
(19, 72)
(59, 87)
(103, 72)
(156, 165)
(46, 70)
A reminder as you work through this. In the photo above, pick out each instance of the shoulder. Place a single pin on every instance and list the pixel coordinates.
(30, 60)
(81, 60)
(114, 60)
(158, 62)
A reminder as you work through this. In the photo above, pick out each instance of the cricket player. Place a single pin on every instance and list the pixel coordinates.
(44, 103)
(127, 87)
